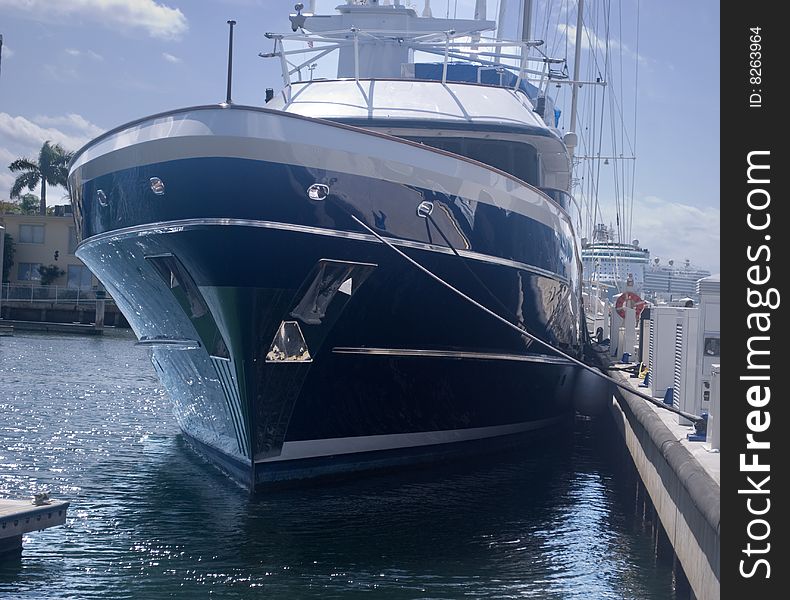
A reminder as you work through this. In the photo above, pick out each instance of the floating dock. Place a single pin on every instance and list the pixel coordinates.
(682, 479)
(48, 327)
(18, 517)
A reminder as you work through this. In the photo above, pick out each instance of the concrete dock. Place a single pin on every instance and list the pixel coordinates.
(18, 517)
(682, 480)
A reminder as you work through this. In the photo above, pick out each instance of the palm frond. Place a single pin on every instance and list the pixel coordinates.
(28, 180)
(22, 164)
(53, 161)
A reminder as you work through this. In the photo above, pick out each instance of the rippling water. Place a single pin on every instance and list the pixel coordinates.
(86, 419)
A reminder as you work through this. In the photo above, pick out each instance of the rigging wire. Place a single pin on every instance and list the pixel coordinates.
(636, 97)
(609, 75)
(590, 151)
(589, 179)
(604, 96)
(602, 119)
(621, 77)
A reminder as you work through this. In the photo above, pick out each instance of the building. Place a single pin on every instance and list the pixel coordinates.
(43, 240)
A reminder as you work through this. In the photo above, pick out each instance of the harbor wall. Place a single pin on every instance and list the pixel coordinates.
(685, 495)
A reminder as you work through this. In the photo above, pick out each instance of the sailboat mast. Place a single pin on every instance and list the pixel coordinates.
(576, 69)
(526, 21)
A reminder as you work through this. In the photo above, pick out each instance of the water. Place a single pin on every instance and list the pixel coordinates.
(86, 419)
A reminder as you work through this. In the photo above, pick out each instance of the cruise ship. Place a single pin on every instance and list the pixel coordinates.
(611, 265)
(671, 282)
(256, 250)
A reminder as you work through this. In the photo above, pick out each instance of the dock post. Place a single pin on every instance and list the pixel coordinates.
(629, 333)
(2, 249)
(615, 322)
(713, 434)
(100, 300)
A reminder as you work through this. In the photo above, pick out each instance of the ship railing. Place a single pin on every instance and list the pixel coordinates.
(51, 294)
(451, 45)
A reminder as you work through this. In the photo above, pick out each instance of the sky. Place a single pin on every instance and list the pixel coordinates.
(72, 69)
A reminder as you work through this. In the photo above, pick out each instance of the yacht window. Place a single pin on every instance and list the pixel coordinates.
(516, 158)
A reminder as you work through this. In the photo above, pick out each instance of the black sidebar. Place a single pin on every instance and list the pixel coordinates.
(754, 173)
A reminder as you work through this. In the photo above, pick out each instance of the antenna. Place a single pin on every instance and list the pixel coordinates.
(230, 60)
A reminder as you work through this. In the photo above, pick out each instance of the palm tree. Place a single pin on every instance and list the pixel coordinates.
(51, 168)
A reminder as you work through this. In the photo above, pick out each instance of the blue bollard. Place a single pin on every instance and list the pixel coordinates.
(646, 383)
(668, 396)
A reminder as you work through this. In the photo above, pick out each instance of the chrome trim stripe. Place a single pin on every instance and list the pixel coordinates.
(372, 443)
(181, 343)
(180, 225)
(455, 354)
(255, 134)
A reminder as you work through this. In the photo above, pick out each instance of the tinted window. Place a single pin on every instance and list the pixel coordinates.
(518, 159)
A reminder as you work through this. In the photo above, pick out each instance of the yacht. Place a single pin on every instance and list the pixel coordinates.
(258, 251)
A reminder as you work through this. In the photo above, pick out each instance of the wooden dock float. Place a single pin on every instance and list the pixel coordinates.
(18, 517)
(48, 327)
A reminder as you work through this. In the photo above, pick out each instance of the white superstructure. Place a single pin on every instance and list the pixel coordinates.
(610, 265)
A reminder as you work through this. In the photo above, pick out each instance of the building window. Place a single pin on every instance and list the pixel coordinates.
(79, 277)
(28, 272)
(72, 239)
(31, 234)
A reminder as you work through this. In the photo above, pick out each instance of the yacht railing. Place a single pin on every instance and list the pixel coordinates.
(450, 44)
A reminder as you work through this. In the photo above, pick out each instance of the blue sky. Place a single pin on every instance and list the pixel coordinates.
(74, 68)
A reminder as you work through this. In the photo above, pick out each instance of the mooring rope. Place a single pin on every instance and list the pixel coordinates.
(696, 419)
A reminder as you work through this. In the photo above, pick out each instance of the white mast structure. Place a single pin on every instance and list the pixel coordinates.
(571, 138)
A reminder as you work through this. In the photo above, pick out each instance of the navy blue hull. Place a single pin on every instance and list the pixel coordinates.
(392, 368)
(225, 188)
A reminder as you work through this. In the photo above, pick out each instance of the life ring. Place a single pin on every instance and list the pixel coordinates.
(633, 299)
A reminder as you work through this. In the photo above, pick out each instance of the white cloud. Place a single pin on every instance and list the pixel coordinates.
(6, 181)
(60, 74)
(71, 123)
(158, 20)
(86, 53)
(6, 157)
(23, 137)
(6, 52)
(671, 230)
(591, 41)
(170, 58)
(30, 134)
